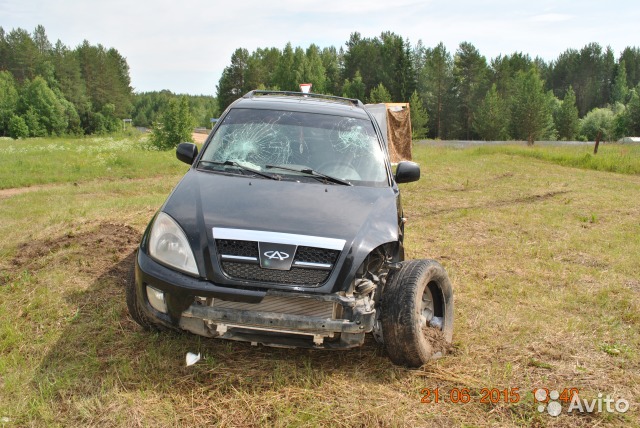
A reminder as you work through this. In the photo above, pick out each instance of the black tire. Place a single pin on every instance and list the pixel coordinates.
(133, 304)
(411, 337)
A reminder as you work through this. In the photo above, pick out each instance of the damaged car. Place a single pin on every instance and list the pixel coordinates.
(288, 231)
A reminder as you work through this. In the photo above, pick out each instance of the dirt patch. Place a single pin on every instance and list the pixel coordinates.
(199, 138)
(633, 284)
(7, 193)
(99, 246)
(438, 342)
(495, 204)
(584, 259)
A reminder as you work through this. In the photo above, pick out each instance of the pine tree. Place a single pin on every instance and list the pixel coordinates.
(232, 83)
(284, 74)
(354, 89)
(435, 84)
(419, 117)
(530, 107)
(314, 71)
(491, 120)
(470, 73)
(566, 118)
(379, 94)
(331, 64)
(620, 91)
(633, 111)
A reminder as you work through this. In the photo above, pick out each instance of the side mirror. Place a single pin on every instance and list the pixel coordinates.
(187, 152)
(406, 172)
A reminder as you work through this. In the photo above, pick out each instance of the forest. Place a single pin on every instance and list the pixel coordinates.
(461, 94)
(50, 89)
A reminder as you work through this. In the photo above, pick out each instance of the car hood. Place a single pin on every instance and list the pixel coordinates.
(362, 216)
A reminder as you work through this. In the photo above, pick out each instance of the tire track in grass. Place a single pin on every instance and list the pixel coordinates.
(15, 191)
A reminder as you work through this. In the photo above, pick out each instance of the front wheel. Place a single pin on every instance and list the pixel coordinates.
(417, 313)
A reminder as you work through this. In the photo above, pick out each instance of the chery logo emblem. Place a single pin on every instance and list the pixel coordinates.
(276, 255)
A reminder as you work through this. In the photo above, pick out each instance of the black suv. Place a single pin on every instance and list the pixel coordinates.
(287, 230)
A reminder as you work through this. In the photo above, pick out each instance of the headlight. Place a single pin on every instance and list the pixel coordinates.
(168, 244)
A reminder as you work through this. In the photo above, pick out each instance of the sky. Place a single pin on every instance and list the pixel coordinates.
(183, 46)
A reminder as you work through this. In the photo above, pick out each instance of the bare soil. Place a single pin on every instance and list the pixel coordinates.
(112, 241)
(438, 343)
(199, 138)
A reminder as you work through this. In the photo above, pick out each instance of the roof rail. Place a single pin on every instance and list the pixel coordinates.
(354, 101)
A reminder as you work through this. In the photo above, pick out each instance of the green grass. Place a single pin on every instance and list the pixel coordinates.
(543, 259)
(620, 158)
(72, 160)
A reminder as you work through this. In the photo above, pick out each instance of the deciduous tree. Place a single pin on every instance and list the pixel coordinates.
(598, 121)
(176, 126)
(18, 127)
(8, 100)
(43, 105)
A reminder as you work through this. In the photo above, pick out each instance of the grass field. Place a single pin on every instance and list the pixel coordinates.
(544, 259)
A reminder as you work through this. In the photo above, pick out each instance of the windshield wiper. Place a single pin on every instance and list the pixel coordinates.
(242, 168)
(311, 172)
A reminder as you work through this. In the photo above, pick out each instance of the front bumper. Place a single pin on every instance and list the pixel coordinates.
(201, 307)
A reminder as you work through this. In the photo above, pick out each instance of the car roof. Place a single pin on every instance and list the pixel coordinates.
(299, 102)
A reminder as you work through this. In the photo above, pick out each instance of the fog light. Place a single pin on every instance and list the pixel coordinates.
(156, 299)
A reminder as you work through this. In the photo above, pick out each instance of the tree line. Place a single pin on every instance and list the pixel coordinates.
(459, 95)
(50, 89)
(150, 107)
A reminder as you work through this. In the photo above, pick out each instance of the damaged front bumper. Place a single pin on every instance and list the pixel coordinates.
(274, 318)
(284, 329)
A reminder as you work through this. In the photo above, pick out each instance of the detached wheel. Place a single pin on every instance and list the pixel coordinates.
(134, 305)
(417, 313)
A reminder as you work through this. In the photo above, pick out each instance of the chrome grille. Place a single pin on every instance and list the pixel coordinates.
(240, 258)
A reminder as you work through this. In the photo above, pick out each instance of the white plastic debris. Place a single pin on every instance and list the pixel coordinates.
(192, 358)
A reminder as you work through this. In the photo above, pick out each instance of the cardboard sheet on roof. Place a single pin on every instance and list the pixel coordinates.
(395, 122)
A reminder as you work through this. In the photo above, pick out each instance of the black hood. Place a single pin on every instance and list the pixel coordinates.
(306, 208)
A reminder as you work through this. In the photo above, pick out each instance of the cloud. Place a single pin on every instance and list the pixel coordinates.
(551, 17)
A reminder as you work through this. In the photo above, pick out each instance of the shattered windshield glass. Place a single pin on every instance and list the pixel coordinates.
(341, 147)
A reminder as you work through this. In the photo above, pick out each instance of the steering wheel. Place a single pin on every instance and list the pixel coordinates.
(339, 169)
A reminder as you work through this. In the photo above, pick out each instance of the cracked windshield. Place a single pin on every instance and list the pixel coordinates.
(298, 146)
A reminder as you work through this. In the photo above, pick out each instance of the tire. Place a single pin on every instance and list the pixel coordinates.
(133, 304)
(416, 330)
